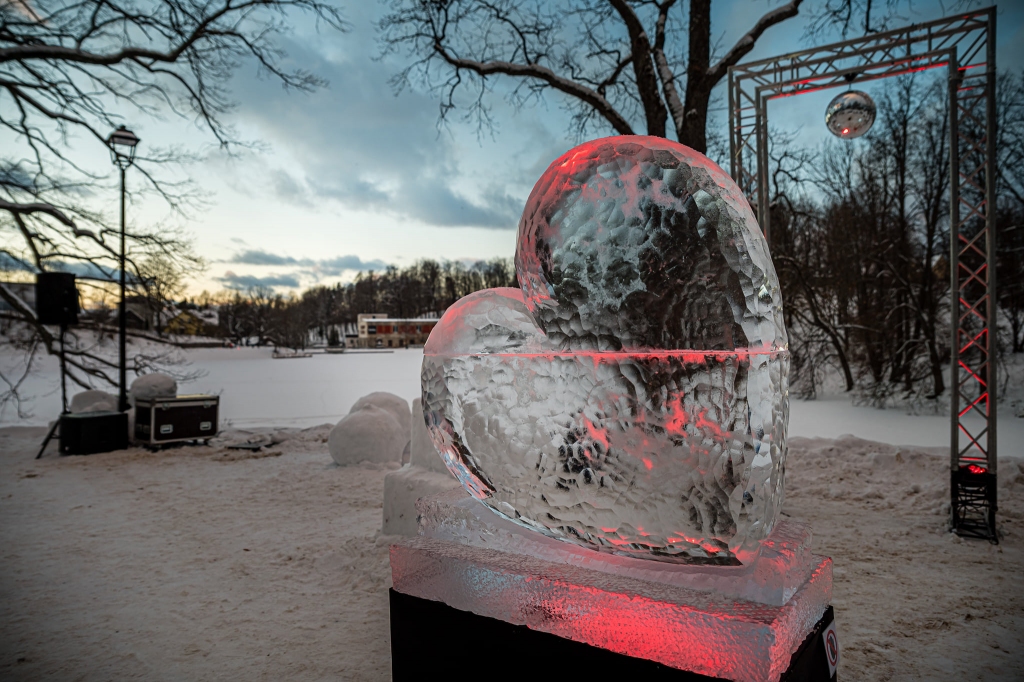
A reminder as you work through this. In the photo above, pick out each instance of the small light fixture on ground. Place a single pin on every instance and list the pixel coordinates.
(122, 143)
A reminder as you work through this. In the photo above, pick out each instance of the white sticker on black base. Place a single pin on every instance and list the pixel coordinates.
(831, 648)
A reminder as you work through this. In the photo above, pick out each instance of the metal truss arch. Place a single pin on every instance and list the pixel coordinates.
(965, 45)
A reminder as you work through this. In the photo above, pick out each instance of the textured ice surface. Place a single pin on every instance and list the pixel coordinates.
(682, 628)
(632, 397)
(784, 564)
(640, 242)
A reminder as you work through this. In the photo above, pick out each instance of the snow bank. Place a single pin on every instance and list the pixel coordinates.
(881, 475)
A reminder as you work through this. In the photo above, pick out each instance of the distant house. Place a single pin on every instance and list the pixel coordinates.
(192, 322)
(346, 334)
(139, 313)
(377, 330)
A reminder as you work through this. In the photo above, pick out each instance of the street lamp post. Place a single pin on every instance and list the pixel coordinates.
(122, 144)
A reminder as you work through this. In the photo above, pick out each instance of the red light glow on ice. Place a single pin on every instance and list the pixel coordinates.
(597, 434)
(705, 424)
(676, 423)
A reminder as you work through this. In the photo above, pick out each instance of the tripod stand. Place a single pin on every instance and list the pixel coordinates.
(63, 395)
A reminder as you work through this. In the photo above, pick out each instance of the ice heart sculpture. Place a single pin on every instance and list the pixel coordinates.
(632, 396)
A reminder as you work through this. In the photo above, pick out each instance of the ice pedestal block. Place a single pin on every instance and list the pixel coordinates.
(606, 601)
(773, 577)
(632, 396)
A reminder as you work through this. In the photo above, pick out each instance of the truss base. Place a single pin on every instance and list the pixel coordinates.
(973, 511)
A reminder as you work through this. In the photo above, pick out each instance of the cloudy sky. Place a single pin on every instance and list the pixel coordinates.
(353, 177)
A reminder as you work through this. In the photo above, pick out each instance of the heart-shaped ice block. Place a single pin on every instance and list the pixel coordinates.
(632, 397)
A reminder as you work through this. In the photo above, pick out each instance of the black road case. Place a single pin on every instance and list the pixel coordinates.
(169, 420)
(86, 433)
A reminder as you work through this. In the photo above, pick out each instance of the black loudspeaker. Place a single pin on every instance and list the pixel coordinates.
(56, 298)
(89, 432)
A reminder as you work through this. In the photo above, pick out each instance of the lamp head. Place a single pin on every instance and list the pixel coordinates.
(122, 144)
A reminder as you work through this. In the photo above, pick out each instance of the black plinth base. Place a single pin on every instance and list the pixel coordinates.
(87, 433)
(973, 507)
(431, 640)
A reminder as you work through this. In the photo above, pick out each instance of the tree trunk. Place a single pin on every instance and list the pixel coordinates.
(698, 85)
(643, 70)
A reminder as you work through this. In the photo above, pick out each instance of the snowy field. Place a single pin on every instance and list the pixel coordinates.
(259, 391)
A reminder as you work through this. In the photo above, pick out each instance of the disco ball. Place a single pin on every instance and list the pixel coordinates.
(850, 115)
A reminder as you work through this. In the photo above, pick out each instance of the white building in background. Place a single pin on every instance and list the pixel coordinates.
(377, 330)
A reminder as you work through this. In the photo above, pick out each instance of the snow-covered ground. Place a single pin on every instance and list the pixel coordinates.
(257, 390)
(204, 563)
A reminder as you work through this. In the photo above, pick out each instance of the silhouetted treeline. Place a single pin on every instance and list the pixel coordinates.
(425, 288)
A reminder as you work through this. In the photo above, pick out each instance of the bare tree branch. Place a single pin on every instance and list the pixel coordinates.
(746, 43)
(542, 73)
(22, 209)
(75, 69)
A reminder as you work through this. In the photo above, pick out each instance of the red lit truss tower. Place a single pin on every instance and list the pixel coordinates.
(964, 44)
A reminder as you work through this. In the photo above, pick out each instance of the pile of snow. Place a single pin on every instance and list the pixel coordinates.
(153, 386)
(372, 431)
(398, 407)
(93, 401)
(100, 401)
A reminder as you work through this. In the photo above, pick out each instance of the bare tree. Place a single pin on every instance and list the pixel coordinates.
(161, 281)
(850, 16)
(72, 70)
(614, 61)
(861, 261)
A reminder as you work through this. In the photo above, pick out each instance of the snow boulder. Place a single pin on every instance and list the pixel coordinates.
(93, 401)
(396, 406)
(425, 475)
(369, 434)
(150, 386)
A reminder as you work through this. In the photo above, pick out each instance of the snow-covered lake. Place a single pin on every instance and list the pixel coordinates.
(257, 390)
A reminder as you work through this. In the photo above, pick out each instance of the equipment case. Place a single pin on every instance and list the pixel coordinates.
(170, 420)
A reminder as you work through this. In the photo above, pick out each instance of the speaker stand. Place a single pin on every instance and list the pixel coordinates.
(63, 395)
